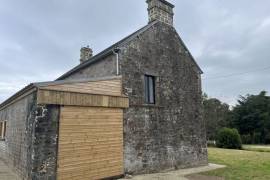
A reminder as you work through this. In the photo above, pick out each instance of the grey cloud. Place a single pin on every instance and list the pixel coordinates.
(40, 40)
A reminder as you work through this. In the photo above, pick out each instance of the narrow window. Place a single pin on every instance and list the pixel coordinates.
(149, 89)
(1, 130)
(5, 129)
(3, 126)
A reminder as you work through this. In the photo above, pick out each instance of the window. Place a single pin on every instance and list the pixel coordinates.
(3, 126)
(149, 89)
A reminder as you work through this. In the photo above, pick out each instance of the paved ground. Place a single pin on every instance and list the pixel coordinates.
(6, 173)
(183, 174)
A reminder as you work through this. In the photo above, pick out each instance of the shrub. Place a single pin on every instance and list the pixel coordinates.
(229, 138)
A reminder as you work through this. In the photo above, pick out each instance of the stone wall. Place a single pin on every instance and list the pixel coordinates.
(30, 148)
(171, 133)
(45, 142)
(102, 68)
(160, 10)
(17, 146)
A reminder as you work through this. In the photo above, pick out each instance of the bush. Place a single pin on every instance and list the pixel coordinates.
(229, 138)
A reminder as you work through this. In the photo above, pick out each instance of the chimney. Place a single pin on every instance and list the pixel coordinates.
(160, 10)
(86, 54)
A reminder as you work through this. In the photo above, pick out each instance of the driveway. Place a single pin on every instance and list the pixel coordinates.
(183, 174)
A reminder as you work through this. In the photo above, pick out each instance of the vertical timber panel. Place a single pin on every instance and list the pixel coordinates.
(90, 143)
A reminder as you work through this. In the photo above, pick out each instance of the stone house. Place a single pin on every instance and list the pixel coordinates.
(159, 127)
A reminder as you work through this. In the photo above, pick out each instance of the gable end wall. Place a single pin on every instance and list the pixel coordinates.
(171, 133)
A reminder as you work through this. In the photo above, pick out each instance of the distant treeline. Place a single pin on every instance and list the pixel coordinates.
(251, 117)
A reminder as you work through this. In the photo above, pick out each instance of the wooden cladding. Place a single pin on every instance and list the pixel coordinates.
(80, 99)
(90, 143)
(105, 87)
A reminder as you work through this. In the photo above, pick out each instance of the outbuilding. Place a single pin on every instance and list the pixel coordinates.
(65, 129)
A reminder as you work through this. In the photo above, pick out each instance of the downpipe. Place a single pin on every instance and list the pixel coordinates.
(116, 52)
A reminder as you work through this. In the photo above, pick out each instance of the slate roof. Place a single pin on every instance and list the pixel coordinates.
(108, 51)
(87, 63)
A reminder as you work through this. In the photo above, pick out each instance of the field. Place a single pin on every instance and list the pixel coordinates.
(256, 148)
(241, 165)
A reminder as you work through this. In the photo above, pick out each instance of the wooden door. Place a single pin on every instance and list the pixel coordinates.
(90, 143)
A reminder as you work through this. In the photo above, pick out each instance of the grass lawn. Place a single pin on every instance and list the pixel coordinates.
(259, 148)
(242, 165)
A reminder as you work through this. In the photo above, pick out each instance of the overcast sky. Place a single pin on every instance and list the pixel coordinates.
(40, 40)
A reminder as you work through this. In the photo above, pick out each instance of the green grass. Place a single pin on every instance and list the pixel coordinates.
(259, 148)
(241, 165)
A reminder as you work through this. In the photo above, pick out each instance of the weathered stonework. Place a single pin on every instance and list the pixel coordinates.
(45, 142)
(30, 148)
(171, 133)
(160, 10)
(102, 68)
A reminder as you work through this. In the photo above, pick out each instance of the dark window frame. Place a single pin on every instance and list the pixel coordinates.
(150, 89)
(3, 130)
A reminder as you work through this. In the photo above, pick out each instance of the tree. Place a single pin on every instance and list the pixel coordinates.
(251, 116)
(216, 115)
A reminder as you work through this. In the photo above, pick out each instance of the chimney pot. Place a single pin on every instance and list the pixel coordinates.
(86, 54)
